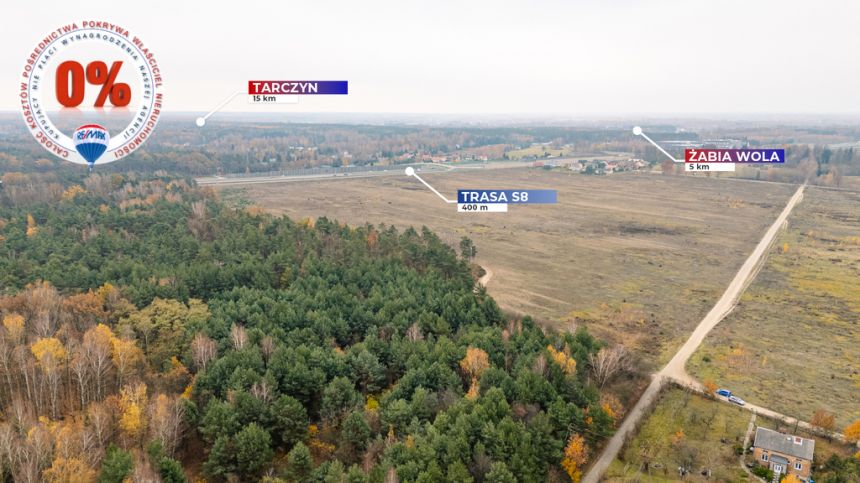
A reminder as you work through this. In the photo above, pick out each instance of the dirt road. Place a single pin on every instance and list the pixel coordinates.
(485, 278)
(675, 368)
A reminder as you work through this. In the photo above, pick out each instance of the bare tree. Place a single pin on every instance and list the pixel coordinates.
(97, 349)
(413, 333)
(79, 366)
(608, 362)
(25, 364)
(267, 346)
(203, 350)
(7, 448)
(197, 222)
(102, 419)
(33, 455)
(6, 365)
(52, 377)
(20, 413)
(238, 336)
(262, 391)
(44, 304)
(165, 421)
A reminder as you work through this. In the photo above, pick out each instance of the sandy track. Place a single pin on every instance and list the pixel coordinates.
(675, 368)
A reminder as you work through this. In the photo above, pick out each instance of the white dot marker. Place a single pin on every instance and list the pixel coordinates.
(201, 121)
(410, 171)
(637, 131)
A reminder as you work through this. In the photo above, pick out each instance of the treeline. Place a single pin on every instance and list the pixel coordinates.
(239, 147)
(817, 165)
(150, 332)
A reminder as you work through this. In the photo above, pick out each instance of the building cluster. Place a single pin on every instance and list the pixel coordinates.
(706, 144)
(595, 166)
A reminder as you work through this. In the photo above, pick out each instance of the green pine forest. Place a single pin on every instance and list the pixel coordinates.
(152, 332)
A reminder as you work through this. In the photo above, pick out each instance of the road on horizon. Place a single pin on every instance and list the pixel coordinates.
(396, 170)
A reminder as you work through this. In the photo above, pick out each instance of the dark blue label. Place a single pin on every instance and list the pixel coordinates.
(734, 156)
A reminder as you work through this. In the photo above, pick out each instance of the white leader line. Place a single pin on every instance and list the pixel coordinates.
(201, 121)
(638, 131)
(410, 171)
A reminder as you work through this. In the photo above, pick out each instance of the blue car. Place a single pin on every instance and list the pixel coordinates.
(724, 392)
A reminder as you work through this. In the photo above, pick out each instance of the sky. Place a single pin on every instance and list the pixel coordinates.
(566, 57)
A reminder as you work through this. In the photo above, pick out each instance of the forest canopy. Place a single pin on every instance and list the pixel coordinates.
(150, 331)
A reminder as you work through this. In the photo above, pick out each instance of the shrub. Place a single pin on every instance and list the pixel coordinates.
(763, 472)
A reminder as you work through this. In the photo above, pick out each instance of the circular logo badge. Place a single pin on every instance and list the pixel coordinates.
(91, 92)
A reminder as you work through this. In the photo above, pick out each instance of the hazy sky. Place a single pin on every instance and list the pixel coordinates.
(475, 56)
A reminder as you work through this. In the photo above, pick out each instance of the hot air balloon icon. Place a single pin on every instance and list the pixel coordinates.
(91, 141)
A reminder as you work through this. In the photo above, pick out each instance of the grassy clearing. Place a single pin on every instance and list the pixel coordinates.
(792, 344)
(637, 258)
(684, 430)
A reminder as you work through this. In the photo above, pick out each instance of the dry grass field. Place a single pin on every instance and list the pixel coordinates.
(638, 258)
(793, 344)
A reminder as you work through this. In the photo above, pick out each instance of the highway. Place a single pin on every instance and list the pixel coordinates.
(357, 174)
(675, 369)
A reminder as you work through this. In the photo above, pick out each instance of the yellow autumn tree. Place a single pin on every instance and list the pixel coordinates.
(72, 192)
(612, 407)
(49, 352)
(14, 325)
(69, 470)
(791, 478)
(563, 359)
(132, 402)
(319, 449)
(852, 432)
(575, 457)
(126, 358)
(475, 362)
(32, 229)
(473, 365)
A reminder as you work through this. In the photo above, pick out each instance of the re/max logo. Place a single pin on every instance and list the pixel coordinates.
(91, 135)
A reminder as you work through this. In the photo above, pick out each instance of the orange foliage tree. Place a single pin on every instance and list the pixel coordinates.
(710, 387)
(575, 457)
(473, 365)
(852, 432)
(563, 359)
(823, 419)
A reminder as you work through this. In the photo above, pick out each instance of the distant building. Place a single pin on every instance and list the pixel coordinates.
(784, 453)
(707, 143)
(575, 166)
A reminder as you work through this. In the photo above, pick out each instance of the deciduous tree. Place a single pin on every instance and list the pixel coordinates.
(575, 457)
(203, 350)
(608, 362)
(852, 432)
(823, 419)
